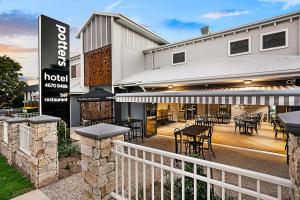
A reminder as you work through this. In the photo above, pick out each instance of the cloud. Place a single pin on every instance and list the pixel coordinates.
(223, 13)
(286, 3)
(111, 6)
(127, 7)
(6, 48)
(16, 22)
(178, 24)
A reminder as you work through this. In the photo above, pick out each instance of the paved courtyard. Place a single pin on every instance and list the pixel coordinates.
(224, 134)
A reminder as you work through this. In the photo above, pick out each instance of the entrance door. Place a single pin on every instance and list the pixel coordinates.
(151, 123)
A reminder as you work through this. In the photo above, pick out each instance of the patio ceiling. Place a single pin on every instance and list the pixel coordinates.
(271, 95)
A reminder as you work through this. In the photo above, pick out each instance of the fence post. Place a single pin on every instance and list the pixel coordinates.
(9, 149)
(292, 126)
(44, 156)
(2, 119)
(97, 159)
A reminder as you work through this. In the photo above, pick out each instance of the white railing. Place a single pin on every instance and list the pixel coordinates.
(145, 173)
(5, 132)
(26, 115)
(25, 138)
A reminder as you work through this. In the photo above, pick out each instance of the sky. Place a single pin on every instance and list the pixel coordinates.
(174, 20)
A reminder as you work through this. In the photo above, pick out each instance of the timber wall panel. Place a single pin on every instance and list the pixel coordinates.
(97, 67)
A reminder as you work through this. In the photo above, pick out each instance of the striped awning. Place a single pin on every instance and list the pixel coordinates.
(271, 95)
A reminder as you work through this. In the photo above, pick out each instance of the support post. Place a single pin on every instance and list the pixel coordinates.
(97, 159)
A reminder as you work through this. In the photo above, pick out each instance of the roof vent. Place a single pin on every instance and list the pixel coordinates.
(205, 30)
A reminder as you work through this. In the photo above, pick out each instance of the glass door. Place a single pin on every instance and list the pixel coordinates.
(151, 109)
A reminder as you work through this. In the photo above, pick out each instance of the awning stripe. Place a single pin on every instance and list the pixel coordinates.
(243, 100)
(280, 95)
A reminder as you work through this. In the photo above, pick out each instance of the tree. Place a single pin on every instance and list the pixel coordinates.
(10, 85)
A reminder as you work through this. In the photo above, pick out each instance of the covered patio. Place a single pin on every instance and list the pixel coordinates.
(181, 107)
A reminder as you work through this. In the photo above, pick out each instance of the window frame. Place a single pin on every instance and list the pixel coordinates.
(180, 63)
(272, 32)
(240, 39)
(75, 66)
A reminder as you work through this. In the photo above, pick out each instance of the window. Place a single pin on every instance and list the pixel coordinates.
(178, 58)
(73, 71)
(274, 40)
(239, 47)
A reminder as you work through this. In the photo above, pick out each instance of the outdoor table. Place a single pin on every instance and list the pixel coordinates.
(246, 121)
(193, 131)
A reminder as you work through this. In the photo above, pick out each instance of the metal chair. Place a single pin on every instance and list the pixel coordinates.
(208, 139)
(179, 141)
(279, 128)
(136, 130)
(252, 126)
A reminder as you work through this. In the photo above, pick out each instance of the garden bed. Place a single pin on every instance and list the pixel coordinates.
(69, 166)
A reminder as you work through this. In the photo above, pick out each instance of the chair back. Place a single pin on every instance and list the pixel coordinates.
(208, 123)
(178, 139)
(199, 120)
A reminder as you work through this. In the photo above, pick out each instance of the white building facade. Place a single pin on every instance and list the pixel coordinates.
(255, 66)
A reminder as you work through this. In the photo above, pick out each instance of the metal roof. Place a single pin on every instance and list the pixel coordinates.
(31, 88)
(125, 21)
(218, 69)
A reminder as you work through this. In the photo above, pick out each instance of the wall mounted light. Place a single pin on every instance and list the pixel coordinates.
(170, 86)
(247, 82)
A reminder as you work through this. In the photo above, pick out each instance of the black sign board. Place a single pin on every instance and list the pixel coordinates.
(54, 51)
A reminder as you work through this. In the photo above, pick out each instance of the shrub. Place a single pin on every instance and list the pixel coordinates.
(66, 148)
(63, 132)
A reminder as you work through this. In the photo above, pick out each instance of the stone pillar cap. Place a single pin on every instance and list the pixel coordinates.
(101, 131)
(4, 118)
(15, 120)
(43, 119)
(291, 120)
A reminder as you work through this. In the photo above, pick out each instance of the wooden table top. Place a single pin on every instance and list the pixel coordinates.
(194, 130)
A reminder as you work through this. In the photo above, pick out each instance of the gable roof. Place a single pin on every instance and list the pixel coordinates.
(125, 21)
(213, 70)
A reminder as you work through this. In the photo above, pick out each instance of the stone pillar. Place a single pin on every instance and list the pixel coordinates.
(9, 149)
(97, 159)
(44, 155)
(294, 165)
(292, 127)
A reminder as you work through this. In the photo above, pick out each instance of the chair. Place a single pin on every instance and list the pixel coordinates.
(136, 131)
(196, 147)
(199, 120)
(238, 124)
(208, 139)
(179, 141)
(279, 128)
(252, 126)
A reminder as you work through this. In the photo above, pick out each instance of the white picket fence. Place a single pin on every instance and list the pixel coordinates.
(25, 138)
(129, 157)
(5, 132)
